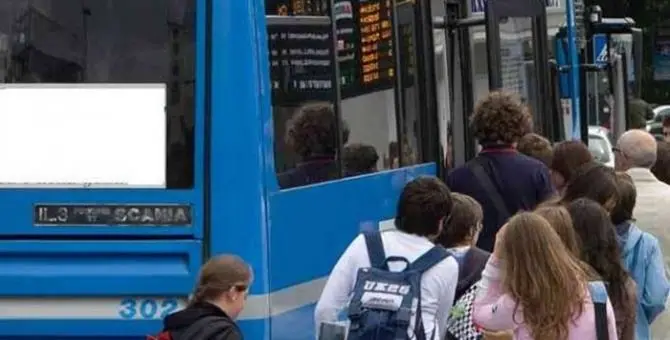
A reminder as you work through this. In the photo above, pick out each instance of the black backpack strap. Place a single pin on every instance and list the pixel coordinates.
(373, 241)
(598, 293)
(204, 328)
(487, 184)
(428, 259)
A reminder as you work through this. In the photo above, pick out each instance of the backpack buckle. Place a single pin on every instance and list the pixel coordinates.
(355, 311)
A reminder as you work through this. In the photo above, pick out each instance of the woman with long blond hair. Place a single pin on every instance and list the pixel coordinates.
(534, 286)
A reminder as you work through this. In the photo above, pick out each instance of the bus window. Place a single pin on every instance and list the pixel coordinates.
(112, 41)
(305, 150)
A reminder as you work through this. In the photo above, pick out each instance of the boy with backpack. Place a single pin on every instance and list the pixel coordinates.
(397, 284)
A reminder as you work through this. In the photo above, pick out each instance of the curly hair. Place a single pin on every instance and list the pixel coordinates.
(312, 131)
(536, 146)
(500, 117)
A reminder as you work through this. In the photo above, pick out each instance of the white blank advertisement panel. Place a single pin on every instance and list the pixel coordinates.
(88, 135)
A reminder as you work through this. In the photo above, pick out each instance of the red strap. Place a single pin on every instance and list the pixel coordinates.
(160, 336)
(498, 150)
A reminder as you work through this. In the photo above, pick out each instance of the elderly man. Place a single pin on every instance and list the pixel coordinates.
(636, 154)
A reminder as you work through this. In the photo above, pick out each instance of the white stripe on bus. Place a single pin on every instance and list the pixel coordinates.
(259, 306)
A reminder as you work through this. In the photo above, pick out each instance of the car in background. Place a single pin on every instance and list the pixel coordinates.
(600, 145)
(655, 126)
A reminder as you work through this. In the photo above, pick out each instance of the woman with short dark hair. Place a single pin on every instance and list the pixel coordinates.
(567, 157)
(593, 181)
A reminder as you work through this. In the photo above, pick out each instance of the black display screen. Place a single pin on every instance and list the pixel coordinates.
(300, 55)
(300, 63)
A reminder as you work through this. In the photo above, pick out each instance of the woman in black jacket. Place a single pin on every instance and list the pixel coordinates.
(219, 297)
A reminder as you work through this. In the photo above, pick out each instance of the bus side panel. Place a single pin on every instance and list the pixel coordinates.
(93, 288)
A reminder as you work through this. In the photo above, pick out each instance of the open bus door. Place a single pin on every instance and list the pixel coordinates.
(516, 33)
(516, 56)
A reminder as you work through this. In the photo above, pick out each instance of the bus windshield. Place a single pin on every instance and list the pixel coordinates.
(146, 47)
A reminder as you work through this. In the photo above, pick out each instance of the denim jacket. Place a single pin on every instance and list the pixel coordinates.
(641, 255)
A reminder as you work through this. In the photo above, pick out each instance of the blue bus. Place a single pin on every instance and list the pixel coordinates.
(88, 260)
(85, 259)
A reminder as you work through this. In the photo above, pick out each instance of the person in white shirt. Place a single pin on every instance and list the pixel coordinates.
(635, 154)
(424, 206)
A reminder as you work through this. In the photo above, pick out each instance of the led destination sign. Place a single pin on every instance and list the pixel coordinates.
(376, 43)
(112, 215)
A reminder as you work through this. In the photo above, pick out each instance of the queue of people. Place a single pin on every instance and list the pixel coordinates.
(534, 242)
(528, 241)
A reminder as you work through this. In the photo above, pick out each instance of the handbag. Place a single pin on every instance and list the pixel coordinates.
(460, 325)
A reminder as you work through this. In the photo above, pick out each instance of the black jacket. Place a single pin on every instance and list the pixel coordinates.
(202, 321)
(470, 272)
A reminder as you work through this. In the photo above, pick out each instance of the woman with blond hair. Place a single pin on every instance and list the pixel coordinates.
(559, 218)
(219, 297)
(534, 286)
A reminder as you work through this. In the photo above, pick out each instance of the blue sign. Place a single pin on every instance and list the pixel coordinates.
(600, 55)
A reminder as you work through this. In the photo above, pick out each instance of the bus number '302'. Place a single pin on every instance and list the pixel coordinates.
(147, 309)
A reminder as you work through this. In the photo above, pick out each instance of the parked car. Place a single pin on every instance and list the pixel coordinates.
(600, 145)
(655, 126)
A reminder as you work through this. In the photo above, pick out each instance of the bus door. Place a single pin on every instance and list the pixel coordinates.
(452, 26)
(612, 48)
(516, 47)
(102, 178)
(517, 53)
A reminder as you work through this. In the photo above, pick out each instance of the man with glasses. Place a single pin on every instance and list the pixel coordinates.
(636, 154)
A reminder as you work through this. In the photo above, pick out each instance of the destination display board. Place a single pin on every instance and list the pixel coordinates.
(112, 215)
(301, 55)
(376, 45)
(300, 63)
